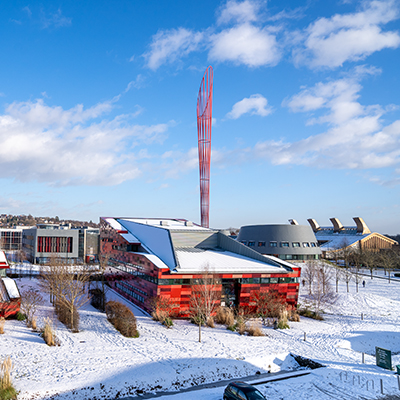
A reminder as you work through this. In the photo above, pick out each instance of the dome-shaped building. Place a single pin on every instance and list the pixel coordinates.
(288, 242)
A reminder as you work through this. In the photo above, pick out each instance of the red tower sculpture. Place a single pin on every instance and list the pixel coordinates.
(204, 122)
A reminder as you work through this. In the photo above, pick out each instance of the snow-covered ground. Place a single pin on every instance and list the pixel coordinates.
(99, 363)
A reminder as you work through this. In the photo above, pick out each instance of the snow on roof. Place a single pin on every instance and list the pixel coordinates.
(130, 238)
(11, 288)
(3, 260)
(279, 261)
(194, 260)
(337, 240)
(155, 260)
(167, 223)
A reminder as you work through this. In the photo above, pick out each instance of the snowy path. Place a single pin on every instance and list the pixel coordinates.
(99, 363)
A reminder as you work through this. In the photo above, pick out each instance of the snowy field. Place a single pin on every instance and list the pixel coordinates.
(98, 363)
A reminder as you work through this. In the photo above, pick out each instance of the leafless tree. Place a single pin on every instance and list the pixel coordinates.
(347, 277)
(267, 304)
(338, 277)
(356, 260)
(30, 301)
(205, 298)
(389, 260)
(67, 288)
(309, 272)
(322, 293)
(369, 259)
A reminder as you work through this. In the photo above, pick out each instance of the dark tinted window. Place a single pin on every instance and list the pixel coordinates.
(256, 395)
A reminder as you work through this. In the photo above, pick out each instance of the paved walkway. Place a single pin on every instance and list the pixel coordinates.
(253, 379)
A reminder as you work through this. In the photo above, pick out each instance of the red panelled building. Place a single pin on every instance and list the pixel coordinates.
(150, 257)
(10, 299)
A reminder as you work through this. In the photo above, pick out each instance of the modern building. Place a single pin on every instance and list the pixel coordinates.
(10, 239)
(292, 242)
(166, 257)
(336, 237)
(10, 298)
(72, 245)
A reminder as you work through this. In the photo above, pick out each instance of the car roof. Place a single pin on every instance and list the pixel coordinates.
(243, 386)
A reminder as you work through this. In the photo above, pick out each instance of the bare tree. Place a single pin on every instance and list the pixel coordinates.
(338, 277)
(67, 288)
(163, 309)
(267, 304)
(205, 298)
(30, 301)
(347, 276)
(355, 261)
(322, 292)
(369, 259)
(309, 272)
(389, 260)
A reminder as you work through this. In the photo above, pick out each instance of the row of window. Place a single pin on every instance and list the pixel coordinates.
(252, 243)
(127, 290)
(54, 244)
(218, 281)
(133, 270)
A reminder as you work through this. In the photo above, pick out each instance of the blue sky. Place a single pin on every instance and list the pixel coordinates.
(98, 110)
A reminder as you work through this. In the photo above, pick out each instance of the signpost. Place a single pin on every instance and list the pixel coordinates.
(383, 358)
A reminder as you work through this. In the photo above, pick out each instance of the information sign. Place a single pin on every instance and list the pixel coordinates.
(383, 358)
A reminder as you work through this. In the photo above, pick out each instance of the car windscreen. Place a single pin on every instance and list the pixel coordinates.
(255, 395)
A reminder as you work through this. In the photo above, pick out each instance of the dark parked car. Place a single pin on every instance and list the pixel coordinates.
(242, 391)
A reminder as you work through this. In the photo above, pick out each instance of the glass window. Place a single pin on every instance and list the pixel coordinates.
(256, 280)
(264, 280)
(273, 244)
(296, 244)
(313, 245)
(251, 244)
(306, 244)
(241, 395)
(256, 395)
(261, 244)
(273, 280)
(284, 244)
(243, 242)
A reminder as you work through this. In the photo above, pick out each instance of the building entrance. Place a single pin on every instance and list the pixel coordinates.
(230, 293)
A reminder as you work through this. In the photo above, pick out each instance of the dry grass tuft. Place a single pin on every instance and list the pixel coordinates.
(7, 390)
(2, 322)
(48, 333)
(210, 322)
(283, 320)
(34, 323)
(293, 315)
(225, 316)
(255, 330)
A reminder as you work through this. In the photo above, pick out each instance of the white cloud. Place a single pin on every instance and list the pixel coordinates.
(239, 12)
(71, 147)
(330, 42)
(256, 104)
(168, 46)
(245, 44)
(242, 43)
(355, 138)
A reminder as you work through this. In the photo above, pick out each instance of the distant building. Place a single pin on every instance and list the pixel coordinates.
(292, 242)
(10, 239)
(337, 237)
(10, 298)
(73, 246)
(166, 257)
